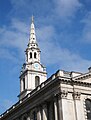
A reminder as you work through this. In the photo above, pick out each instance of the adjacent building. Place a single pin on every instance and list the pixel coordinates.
(63, 96)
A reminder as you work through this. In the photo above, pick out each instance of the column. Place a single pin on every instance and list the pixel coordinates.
(55, 108)
(45, 112)
(39, 113)
(28, 118)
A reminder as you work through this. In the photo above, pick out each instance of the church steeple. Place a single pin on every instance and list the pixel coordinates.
(33, 51)
(33, 72)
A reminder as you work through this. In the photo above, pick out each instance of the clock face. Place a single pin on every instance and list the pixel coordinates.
(36, 65)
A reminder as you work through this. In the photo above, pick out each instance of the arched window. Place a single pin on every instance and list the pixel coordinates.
(35, 54)
(23, 83)
(37, 81)
(30, 55)
(88, 108)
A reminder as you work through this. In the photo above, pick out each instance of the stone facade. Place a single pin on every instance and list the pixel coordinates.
(60, 98)
(63, 96)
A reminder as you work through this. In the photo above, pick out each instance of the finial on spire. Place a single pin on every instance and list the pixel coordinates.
(32, 19)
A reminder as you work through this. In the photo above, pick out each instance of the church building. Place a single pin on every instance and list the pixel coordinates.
(63, 96)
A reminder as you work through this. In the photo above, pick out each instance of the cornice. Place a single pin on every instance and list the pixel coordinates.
(43, 72)
(83, 76)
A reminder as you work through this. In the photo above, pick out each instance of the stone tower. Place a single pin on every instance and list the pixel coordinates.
(33, 72)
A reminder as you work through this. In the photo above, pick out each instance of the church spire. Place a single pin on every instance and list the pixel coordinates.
(32, 38)
(33, 72)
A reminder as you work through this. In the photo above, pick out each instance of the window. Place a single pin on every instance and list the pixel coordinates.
(88, 108)
(37, 81)
(35, 55)
(23, 83)
(30, 55)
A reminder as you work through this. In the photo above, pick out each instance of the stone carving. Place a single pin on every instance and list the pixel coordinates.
(64, 94)
(76, 95)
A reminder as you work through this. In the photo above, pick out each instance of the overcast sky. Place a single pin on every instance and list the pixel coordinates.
(63, 30)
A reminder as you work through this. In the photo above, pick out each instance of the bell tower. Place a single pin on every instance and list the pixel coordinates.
(33, 72)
